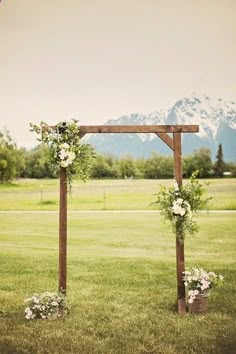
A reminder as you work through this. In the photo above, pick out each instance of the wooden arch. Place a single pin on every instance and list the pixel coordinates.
(174, 143)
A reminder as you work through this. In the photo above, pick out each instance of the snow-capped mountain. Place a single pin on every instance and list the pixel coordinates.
(216, 120)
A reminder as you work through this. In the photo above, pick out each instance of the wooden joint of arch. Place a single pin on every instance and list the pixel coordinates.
(167, 139)
(81, 135)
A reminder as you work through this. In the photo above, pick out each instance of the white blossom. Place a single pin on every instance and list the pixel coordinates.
(63, 154)
(176, 187)
(64, 163)
(54, 303)
(71, 155)
(65, 146)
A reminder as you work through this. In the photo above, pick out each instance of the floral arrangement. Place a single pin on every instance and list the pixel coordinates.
(65, 149)
(45, 306)
(178, 205)
(198, 282)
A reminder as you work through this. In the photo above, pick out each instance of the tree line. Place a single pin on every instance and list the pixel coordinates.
(19, 162)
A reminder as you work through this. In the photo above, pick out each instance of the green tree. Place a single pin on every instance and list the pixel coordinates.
(219, 165)
(140, 167)
(158, 166)
(127, 167)
(231, 167)
(11, 159)
(104, 167)
(200, 160)
(37, 163)
(152, 166)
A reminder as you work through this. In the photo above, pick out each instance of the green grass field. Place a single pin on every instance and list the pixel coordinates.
(121, 284)
(105, 194)
(121, 271)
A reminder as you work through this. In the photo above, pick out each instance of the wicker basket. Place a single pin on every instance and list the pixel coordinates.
(199, 305)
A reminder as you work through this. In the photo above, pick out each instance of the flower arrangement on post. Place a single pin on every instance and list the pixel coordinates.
(199, 282)
(65, 148)
(178, 205)
(46, 306)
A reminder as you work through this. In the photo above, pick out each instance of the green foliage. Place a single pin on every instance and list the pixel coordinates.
(38, 164)
(11, 160)
(219, 165)
(178, 204)
(104, 167)
(199, 161)
(65, 149)
(231, 167)
(158, 166)
(127, 167)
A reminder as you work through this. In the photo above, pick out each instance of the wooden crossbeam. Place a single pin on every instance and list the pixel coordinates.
(84, 129)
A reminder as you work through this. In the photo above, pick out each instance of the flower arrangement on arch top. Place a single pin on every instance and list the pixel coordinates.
(65, 148)
(179, 204)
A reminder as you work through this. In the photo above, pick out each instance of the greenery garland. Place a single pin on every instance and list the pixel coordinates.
(178, 205)
(65, 148)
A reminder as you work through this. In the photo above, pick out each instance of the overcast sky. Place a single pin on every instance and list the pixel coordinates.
(99, 59)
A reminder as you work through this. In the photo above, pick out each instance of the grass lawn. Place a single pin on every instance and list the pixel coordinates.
(121, 284)
(105, 194)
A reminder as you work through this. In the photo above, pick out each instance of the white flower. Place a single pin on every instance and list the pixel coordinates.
(205, 285)
(63, 154)
(65, 146)
(177, 209)
(64, 163)
(49, 304)
(197, 281)
(190, 301)
(176, 187)
(71, 155)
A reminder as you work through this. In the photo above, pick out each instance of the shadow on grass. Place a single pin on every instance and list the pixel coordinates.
(226, 343)
(8, 348)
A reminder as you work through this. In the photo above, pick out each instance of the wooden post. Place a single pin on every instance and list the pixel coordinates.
(63, 231)
(180, 266)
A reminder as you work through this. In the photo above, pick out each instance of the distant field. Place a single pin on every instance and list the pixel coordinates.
(121, 283)
(105, 194)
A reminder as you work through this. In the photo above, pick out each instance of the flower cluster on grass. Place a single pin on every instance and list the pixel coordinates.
(178, 205)
(198, 282)
(65, 148)
(45, 306)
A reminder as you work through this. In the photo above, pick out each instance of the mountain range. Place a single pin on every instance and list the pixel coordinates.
(216, 119)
